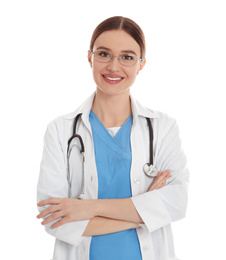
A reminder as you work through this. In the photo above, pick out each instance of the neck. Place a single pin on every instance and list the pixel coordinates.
(112, 111)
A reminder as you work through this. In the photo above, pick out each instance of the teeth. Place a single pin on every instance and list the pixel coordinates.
(113, 78)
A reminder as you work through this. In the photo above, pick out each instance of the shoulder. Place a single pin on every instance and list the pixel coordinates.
(63, 122)
(60, 127)
(159, 117)
(163, 118)
(163, 123)
(156, 116)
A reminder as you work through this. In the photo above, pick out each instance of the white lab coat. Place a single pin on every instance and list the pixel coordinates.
(157, 208)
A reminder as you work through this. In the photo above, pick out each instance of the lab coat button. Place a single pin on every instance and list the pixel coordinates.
(136, 181)
(145, 248)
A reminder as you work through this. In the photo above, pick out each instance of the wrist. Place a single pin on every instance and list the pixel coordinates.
(96, 207)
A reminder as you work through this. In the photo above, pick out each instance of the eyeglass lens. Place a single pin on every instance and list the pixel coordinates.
(125, 59)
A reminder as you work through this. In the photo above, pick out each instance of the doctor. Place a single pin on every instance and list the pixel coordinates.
(124, 214)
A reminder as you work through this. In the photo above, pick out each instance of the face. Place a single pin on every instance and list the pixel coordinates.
(112, 78)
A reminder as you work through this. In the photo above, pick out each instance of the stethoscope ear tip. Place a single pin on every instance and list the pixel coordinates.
(150, 170)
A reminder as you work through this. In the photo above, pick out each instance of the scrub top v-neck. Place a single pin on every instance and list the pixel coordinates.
(113, 161)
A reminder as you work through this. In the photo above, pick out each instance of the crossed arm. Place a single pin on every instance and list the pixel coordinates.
(106, 215)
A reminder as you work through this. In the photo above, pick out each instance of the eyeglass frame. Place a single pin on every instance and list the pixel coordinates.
(119, 59)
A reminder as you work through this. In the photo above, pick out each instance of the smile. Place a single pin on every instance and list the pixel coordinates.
(112, 79)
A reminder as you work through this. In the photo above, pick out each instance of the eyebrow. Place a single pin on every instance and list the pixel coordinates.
(123, 51)
(101, 47)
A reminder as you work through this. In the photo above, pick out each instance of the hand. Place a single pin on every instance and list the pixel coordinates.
(66, 210)
(160, 180)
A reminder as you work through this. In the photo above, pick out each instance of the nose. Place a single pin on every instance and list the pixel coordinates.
(114, 64)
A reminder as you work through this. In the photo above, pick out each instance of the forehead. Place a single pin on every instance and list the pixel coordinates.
(117, 41)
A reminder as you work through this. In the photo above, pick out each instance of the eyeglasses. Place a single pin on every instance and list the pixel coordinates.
(124, 59)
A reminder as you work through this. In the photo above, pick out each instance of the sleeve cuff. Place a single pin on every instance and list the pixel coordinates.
(71, 233)
(152, 210)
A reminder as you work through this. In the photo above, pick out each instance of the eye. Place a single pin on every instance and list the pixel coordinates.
(103, 54)
(128, 57)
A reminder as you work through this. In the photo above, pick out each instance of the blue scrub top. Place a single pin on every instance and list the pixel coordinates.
(113, 161)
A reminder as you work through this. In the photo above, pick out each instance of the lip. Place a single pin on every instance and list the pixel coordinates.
(112, 78)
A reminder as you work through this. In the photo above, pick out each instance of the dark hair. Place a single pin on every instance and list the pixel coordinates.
(121, 23)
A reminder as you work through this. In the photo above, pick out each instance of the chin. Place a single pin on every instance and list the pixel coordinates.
(113, 91)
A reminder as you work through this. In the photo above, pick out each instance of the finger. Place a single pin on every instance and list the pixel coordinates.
(167, 172)
(152, 186)
(49, 201)
(61, 222)
(162, 183)
(53, 217)
(157, 177)
(48, 211)
(159, 174)
(161, 180)
(159, 185)
(167, 177)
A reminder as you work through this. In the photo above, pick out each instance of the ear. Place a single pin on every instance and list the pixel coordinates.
(90, 58)
(142, 64)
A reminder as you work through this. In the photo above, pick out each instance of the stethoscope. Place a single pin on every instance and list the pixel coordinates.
(149, 169)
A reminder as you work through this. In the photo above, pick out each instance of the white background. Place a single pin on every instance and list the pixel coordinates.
(44, 73)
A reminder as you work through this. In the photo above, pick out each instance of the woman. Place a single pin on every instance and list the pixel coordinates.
(123, 213)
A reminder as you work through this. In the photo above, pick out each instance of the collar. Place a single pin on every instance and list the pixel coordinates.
(137, 109)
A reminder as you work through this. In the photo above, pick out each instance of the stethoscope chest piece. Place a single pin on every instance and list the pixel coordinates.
(150, 170)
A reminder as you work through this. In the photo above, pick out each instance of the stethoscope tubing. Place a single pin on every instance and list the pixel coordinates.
(150, 140)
